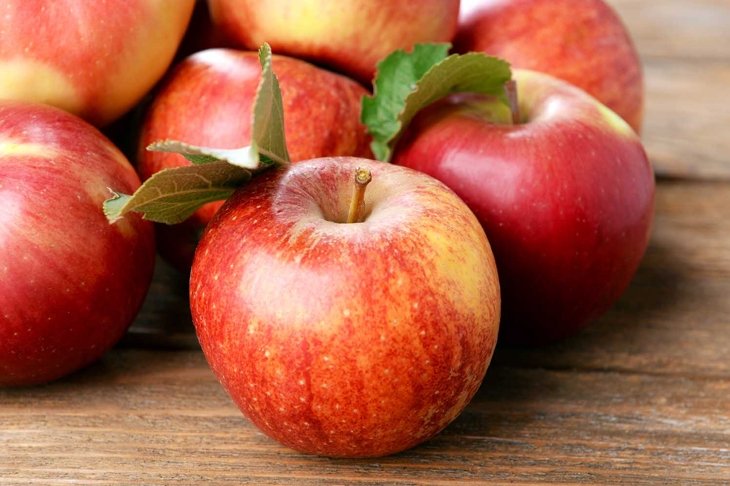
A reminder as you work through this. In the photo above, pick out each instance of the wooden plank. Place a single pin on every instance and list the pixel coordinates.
(524, 425)
(687, 118)
(684, 49)
(678, 29)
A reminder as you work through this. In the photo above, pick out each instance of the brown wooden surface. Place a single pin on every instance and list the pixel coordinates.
(640, 397)
(685, 49)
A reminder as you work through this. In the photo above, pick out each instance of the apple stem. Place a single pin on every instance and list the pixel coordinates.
(510, 89)
(362, 179)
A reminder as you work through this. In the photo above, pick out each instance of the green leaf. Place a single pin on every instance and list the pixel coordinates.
(245, 157)
(172, 195)
(407, 82)
(268, 113)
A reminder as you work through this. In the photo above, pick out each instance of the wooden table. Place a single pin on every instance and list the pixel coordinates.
(642, 396)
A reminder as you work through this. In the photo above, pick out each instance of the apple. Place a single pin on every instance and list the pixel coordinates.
(70, 283)
(207, 100)
(566, 197)
(340, 335)
(95, 59)
(584, 43)
(351, 37)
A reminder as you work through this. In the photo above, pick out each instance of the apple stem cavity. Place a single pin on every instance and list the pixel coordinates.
(362, 179)
(510, 89)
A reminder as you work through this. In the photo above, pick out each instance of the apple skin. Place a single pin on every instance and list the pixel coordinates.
(95, 59)
(70, 283)
(584, 43)
(207, 100)
(566, 198)
(339, 339)
(350, 37)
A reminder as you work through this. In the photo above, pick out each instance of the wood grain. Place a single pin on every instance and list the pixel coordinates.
(684, 48)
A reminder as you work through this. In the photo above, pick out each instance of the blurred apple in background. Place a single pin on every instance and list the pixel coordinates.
(207, 100)
(583, 42)
(95, 59)
(565, 196)
(344, 337)
(348, 36)
(70, 283)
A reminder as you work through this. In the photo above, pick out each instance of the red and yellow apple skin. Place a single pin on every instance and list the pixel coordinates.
(70, 283)
(346, 339)
(95, 59)
(208, 100)
(348, 36)
(584, 43)
(566, 198)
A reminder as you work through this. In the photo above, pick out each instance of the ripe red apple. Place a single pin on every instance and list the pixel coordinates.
(92, 58)
(584, 43)
(208, 99)
(351, 37)
(566, 197)
(70, 283)
(346, 339)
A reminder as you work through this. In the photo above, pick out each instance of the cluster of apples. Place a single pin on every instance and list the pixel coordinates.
(349, 306)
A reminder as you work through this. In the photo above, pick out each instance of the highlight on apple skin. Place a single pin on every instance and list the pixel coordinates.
(346, 339)
(95, 59)
(584, 43)
(566, 197)
(70, 283)
(348, 36)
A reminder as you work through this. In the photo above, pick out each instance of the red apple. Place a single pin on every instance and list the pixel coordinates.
(346, 339)
(584, 43)
(351, 37)
(92, 58)
(70, 283)
(208, 101)
(566, 197)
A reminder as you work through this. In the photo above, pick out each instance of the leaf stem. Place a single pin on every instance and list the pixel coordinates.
(362, 179)
(510, 89)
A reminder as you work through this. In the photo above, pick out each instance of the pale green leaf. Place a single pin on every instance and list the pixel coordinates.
(245, 157)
